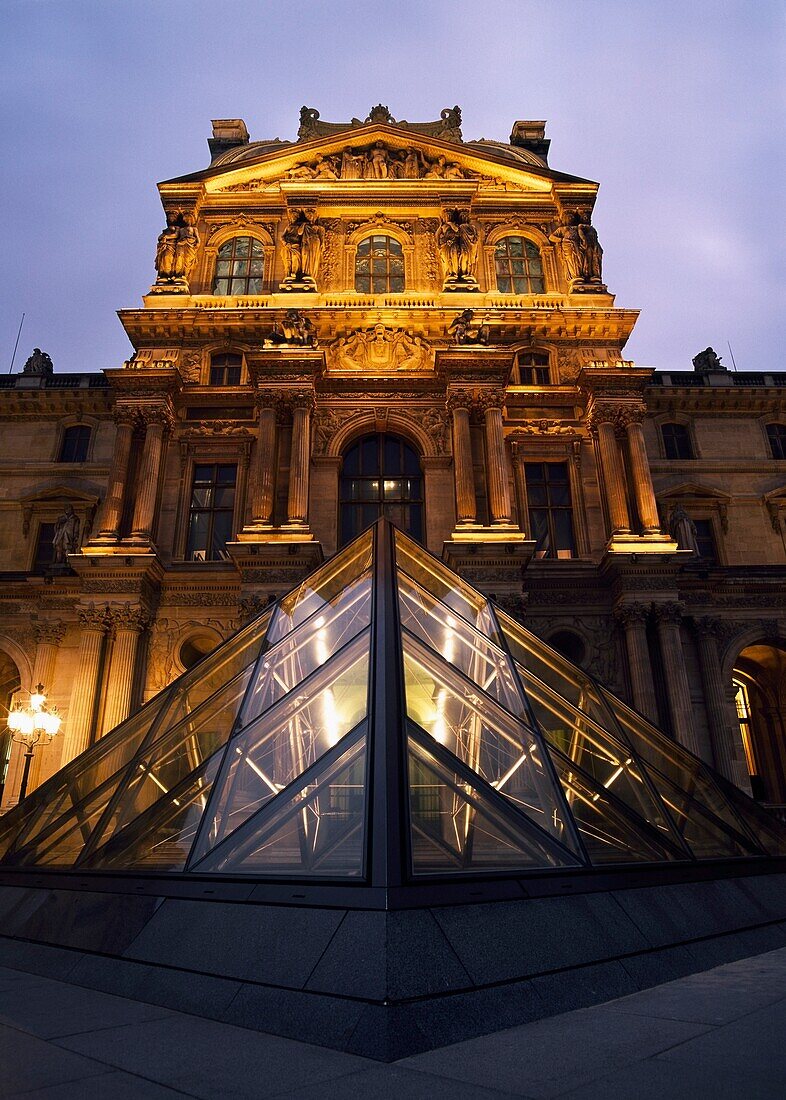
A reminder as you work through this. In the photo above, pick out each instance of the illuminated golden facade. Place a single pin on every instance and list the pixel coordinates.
(383, 318)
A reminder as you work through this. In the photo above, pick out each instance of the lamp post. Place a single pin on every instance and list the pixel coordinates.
(35, 724)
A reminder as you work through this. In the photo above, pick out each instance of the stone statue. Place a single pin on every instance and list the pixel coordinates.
(377, 164)
(683, 530)
(303, 240)
(165, 252)
(463, 331)
(186, 246)
(457, 240)
(567, 239)
(38, 363)
(295, 329)
(707, 360)
(592, 253)
(66, 537)
(412, 167)
(324, 169)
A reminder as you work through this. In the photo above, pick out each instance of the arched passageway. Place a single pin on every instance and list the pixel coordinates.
(760, 698)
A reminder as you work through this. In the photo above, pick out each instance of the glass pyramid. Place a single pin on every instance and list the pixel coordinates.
(385, 724)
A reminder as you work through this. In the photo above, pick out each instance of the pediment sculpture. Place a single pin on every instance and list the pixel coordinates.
(379, 350)
(380, 162)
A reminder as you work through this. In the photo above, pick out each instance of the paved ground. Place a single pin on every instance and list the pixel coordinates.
(721, 1034)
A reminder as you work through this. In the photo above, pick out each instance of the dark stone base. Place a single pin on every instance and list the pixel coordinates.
(385, 984)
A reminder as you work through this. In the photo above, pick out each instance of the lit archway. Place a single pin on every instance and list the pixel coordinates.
(759, 680)
(380, 476)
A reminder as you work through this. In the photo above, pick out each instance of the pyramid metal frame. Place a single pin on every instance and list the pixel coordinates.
(518, 776)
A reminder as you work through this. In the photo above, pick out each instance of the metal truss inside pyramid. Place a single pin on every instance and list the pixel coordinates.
(383, 723)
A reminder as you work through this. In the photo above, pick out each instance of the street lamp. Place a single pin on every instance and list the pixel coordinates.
(35, 724)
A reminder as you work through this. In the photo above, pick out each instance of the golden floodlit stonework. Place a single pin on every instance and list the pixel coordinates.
(382, 317)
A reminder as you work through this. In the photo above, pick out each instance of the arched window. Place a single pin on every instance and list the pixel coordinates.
(225, 369)
(676, 441)
(518, 266)
(776, 434)
(381, 476)
(76, 441)
(239, 267)
(379, 266)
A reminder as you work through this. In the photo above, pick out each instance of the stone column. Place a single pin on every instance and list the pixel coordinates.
(128, 622)
(668, 617)
(157, 419)
(93, 622)
(632, 617)
(112, 510)
(520, 483)
(640, 470)
(466, 508)
(497, 467)
(715, 692)
(262, 480)
(300, 460)
(603, 417)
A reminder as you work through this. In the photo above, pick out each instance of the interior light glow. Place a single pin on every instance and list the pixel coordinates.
(275, 787)
(330, 718)
(439, 729)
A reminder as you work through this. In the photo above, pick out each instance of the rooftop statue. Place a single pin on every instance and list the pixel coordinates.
(447, 126)
(707, 360)
(38, 363)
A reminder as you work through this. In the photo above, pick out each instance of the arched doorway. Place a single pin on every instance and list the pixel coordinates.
(10, 682)
(760, 697)
(380, 476)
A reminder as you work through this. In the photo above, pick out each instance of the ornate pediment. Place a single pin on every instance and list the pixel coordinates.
(447, 126)
(379, 350)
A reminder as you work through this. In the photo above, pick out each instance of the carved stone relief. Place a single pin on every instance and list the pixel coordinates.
(379, 350)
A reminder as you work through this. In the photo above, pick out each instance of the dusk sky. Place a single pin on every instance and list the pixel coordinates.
(676, 108)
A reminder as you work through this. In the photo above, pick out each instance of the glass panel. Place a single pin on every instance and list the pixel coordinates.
(180, 751)
(610, 835)
(484, 737)
(309, 647)
(682, 770)
(445, 585)
(69, 787)
(280, 745)
(316, 830)
(454, 827)
(607, 761)
(161, 838)
(321, 589)
(707, 837)
(766, 828)
(458, 643)
(63, 843)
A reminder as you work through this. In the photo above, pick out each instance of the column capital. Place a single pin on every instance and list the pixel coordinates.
(669, 612)
(629, 613)
(300, 399)
(706, 626)
(459, 399)
(268, 399)
(126, 414)
(128, 617)
(490, 397)
(151, 415)
(618, 413)
(93, 618)
(49, 633)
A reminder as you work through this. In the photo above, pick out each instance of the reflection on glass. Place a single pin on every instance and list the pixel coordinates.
(277, 747)
(446, 586)
(706, 837)
(458, 643)
(161, 838)
(322, 588)
(315, 830)
(609, 835)
(299, 653)
(607, 761)
(456, 828)
(486, 738)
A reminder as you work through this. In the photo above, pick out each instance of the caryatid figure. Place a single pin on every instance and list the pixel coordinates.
(567, 237)
(457, 240)
(186, 246)
(303, 240)
(592, 253)
(167, 244)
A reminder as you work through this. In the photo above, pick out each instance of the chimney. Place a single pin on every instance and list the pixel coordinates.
(228, 133)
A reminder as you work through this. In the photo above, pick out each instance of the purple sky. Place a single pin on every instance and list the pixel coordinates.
(676, 108)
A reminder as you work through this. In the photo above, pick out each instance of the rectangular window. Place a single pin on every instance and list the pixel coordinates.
(776, 434)
(676, 441)
(76, 441)
(705, 541)
(211, 511)
(550, 509)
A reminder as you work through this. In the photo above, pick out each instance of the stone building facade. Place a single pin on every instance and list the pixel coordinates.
(383, 317)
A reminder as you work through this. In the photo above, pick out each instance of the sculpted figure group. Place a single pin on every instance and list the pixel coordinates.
(177, 248)
(380, 349)
(379, 163)
(577, 240)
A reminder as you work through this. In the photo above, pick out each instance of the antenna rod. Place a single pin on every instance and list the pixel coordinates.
(731, 353)
(16, 345)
